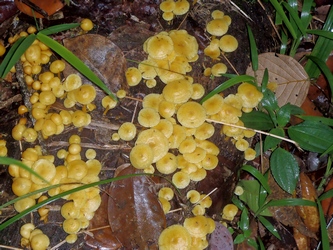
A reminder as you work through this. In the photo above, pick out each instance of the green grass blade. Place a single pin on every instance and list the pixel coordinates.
(284, 18)
(327, 194)
(15, 53)
(294, 15)
(323, 229)
(269, 226)
(58, 28)
(9, 55)
(323, 33)
(53, 198)
(75, 62)
(322, 48)
(284, 43)
(8, 161)
(306, 16)
(326, 71)
(253, 171)
(253, 49)
(227, 84)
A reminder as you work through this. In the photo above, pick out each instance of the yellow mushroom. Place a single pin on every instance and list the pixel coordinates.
(228, 43)
(178, 135)
(217, 27)
(39, 242)
(148, 117)
(73, 81)
(141, 156)
(219, 69)
(166, 206)
(197, 226)
(191, 114)
(181, 179)
(249, 94)
(229, 211)
(210, 162)
(159, 46)
(165, 126)
(174, 237)
(184, 44)
(167, 164)
(166, 109)
(250, 154)
(166, 193)
(213, 105)
(152, 101)
(45, 169)
(85, 94)
(127, 131)
(181, 7)
(133, 76)
(204, 131)
(217, 14)
(198, 175)
(77, 169)
(187, 146)
(167, 6)
(193, 196)
(179, 91)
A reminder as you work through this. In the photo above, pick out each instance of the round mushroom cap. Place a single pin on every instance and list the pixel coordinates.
(167, 164)
(165, 126)
(209, 162)
(152, 101)
(127, 131)
(148, 69)
(196, 156)
(156, 140)
(174, 237)
(204, 131)
(148, 117)
(77, 169)
(181, 7)
(181, 179)
(40, 242)
(45, 169)
(218, 69)
(159, 46)
(141, 156)
(198, 175)
(179, 91)
(197, 226)
(208, 146)
(166, 193)
(191, 114)
(229, 210)
(217, 27)
(167, 6)
(198, 91)
(217, 14)
(187, 146)
(184, 44)
(193, 196)
(73, 81)
(166, 109)
(250, 95)
(228, 43)
(133, 76)
(85, 94)
(213, 104)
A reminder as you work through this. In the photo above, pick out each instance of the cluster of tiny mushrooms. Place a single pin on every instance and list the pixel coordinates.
(174, 121)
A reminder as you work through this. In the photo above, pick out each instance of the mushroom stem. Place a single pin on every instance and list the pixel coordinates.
(258, 131)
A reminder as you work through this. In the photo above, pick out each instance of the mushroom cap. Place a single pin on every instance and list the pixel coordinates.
(148, 117)
(39, 242)
(166, 193)
(69, 210)
(174, 237)
(152, 101)
(167, 6)
(250, 154)
(24, 204)
(198, 91)
(234, 100)
(217, 27)
(21, 186)
(181, 179)
(80, 118)
(181, 7)
(250, 95)
(73, 81)
(178, 135)
(204, 131)
(242, 144)
(166, 206)
(217, 14)
(198, 175)
(71, 225)
(230, 210)
(159, 46)
(168, 16)
(205, 200)
(133, 76)
(156, 140)
(85, 94)
(193, 195)
(26, 229)
(166, 109)
(229, 114)
(213, 104)
(218, 69)
(127, 131)
(178, 91)
(167, 164)
(45, 169)
(209, 162)
(77, 169)
(198, 210)
(187, 146)
(184, 44)
(141, 156)
(197, 226)
(148, 69)
(165, 126)
(47, 98)
(196, 156)
(191, 114)
(228, 43)
(208, 146)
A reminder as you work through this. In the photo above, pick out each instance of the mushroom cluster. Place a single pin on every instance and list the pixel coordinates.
(170, 8)
(33, 237)
(3, 148)
(218, 27)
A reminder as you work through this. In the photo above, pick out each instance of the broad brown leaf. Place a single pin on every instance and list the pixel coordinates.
(102, 56)
(135, 214)
(293, 82)
(102, 238)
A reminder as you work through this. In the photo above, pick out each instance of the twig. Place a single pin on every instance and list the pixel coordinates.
(205, 196)
(239, 9)
(257, 131)
(8, 247)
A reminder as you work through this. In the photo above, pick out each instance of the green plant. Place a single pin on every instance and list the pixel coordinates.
(22, 44)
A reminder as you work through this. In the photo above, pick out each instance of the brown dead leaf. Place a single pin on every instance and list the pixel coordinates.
(102, 56)
(135, 214)
(104, 237)
(293, 82)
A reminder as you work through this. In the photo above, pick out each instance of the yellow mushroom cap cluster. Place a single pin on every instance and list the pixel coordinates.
(33, 238)
(229, 212)
(3, 148)
(170, 8)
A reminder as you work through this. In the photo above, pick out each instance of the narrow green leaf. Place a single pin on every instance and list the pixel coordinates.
(8, 161)
(284, 18)
(326, 71)
(239, 239)
(285, 170)
(322, 33)
(271, 142)
(294, 14)
(244, 220)
(257, 120)
(253, 49)
(253, 171)
(264, 81)
(327, 194)
(284, 113)
(306, 16)
(284, 42)
(323, 120)
(252, 242)
(18, 51)
(9, 55)
(56, 197)
(323, 228)
(227, 84)
(237, 202)
(58, 28)
(75, 62)
(269, 226)
(312, 136)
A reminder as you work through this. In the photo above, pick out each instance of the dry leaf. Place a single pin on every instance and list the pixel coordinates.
(135, 214)
(293, 82)
(221, 238)
(102, 56)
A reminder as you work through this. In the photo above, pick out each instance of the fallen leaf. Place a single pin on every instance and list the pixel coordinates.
(135, 214)
(221, 238)
(293, 82)
(102, 238)
(102, 56)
